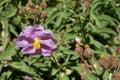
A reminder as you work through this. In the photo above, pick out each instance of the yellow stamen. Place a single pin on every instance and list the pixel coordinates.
(36, 44)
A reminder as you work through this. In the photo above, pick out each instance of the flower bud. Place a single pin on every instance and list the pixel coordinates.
(113, 59)
(86, 46)
(31, 4)
(117, 76)
(78, 49)
(61, 33)
(43, 15)
(88, 51)
(43, 4)
(63, 42)
(103, 56)
(84, 67)
(77, 40)
(22, 10)
(37, 10)
(83, 77)
(104, 61)
(118, 50)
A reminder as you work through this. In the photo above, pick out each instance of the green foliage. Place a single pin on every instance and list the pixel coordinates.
(94, 22)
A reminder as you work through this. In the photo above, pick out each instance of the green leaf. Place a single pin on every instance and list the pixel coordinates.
(5, 75)
(104, 30)
(3, 2)
(77, 68)
(54, 71)
(91, 76)
(59, 20)
(64, 77)
(69, 52)
(68, 71)
(8, 52)
(106, 75)
(1, 66)
(74, 57)
(12, 29)
(95, 42)
(51, 18)
(96, 66)
(9, 12)
(23, 67)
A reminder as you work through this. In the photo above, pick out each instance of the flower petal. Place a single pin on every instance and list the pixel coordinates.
(48, 44)
(23, 41)
(29, 50)
(46, 52)
(32, 32)
(47, 34)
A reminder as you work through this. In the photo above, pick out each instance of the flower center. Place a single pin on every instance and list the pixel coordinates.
(36, 44)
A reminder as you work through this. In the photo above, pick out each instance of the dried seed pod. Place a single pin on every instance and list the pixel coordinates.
(63, 42)
(22, 10)
(31, 4)
(117, 76)
(43, 15)
(62, 33)
(104, 61)
(84, 67)
(88, 52)
(118, 50)
(37, 10)
(43, 4)
(78, 49)
(113, 59)
(83, 77)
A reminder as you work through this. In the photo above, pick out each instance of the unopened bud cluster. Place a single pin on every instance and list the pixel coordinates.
(34, 11)
(88, 52)
(105, 61)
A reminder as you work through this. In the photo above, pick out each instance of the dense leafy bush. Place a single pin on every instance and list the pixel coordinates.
(87, 34)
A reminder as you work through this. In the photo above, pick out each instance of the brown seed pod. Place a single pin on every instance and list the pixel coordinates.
(43, 4)
(31, 4)
(22, 10)
(83, 77)
(79, 50)
(43, 15)
(61, 33)
(88, 52)
(118, 50)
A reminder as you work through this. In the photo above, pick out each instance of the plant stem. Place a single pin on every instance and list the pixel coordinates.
(55, 60)
(87, 64)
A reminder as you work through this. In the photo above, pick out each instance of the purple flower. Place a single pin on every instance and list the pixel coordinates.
(35, 40)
